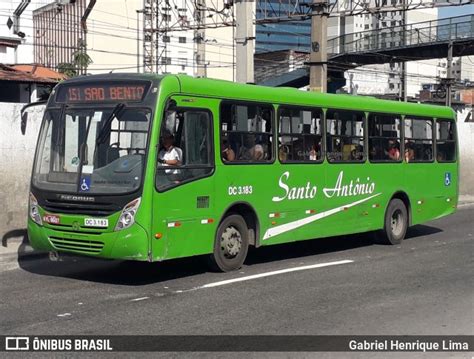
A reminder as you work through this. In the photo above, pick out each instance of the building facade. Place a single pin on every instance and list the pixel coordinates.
(9, 49)
(188, 39)
(57, 32)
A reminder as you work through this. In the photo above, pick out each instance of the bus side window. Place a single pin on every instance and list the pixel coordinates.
(300, 135)
(445, 141)
(384, 138)
(418, 139)
(185, 147)
(246, 133)
(345, 136)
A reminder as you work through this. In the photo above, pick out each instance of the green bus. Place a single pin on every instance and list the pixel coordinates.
(147, 167)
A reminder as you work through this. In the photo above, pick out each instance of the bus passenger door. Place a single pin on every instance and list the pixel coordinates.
(182, 206)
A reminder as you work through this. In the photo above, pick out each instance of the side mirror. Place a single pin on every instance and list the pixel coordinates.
(24, 120)
(24, 114)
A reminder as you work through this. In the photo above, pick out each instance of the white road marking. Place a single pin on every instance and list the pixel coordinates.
(268, 274)
(283, 228)
(139, 299)
(64, 315)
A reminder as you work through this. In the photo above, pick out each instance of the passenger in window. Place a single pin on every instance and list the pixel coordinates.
(409, 152)
(428, 153)
(283, 152)
(357, 154)
(376, 153)
(170, 156)
(314, 152)
(393, 151)
(228, 153)
(440, 156)
(251, 150)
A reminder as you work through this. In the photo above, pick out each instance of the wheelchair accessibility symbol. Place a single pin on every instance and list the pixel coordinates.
(447, 179)
(85, 184)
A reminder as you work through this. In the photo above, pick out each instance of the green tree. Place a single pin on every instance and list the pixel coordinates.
(81, 59)
(67, 69)
(78, 65)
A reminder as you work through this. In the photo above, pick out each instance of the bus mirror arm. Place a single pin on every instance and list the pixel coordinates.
(24, 114)
(171, 105)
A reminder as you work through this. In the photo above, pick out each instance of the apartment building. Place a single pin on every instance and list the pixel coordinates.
(188, 40)
(58, 33)
(386, 78)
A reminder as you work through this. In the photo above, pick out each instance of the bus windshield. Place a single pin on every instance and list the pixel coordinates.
(92, 150)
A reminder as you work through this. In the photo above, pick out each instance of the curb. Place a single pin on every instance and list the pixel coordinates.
(17, 250)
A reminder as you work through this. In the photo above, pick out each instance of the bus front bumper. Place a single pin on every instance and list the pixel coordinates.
(128, 244)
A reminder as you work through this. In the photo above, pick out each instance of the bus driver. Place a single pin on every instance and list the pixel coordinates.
(170, 155)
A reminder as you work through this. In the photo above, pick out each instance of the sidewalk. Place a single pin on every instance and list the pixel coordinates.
(466, 200)
(15, 246)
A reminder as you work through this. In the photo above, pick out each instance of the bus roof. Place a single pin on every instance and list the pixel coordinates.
(236, 91)
(232, 90)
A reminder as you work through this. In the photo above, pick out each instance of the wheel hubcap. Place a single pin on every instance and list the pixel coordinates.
(231, 242)
(397, 222)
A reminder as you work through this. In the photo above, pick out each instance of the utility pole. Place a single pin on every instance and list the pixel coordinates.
(150, 41)
(449, 70)
(199, 38)
(403, 81)
(244, 40)
(318, 59)
(403, 64)
(138, 39)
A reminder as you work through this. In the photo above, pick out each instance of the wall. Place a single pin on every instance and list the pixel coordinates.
(7, 55)
(466, 149)
(16, 158)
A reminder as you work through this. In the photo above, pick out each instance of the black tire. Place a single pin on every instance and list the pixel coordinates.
(230, 245)
(395, 223)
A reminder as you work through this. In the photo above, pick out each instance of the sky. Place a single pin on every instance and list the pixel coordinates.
(455, 11)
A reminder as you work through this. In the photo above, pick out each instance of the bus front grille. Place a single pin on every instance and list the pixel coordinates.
(78, 245)
(92, 209)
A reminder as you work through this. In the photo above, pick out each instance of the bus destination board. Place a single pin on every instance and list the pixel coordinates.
(102, 92)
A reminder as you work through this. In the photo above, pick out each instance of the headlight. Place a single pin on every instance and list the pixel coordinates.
(127, 217)
(33, 210)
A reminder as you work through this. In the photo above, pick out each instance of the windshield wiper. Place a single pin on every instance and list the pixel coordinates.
(104, 131)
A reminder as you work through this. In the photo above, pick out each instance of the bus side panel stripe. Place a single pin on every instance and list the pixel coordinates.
(301, 222)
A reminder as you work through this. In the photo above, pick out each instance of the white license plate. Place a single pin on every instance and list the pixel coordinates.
(96, 222)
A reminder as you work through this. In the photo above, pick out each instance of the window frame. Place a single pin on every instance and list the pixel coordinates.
(365, 137)
(270, 161)
(323, 131)
(401, 138)
(433, 137)
(455, 141)
(212, 154)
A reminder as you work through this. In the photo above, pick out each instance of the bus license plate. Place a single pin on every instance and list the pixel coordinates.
(96, 222)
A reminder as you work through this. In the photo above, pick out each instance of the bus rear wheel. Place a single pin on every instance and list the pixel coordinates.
(395, 225)
(230, 245)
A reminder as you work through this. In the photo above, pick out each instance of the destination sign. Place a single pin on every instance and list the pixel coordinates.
(102, 92)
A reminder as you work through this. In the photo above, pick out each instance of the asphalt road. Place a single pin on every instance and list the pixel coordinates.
(424, 286)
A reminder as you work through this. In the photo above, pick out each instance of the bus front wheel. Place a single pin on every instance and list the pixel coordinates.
(231, 244)
(395, 225)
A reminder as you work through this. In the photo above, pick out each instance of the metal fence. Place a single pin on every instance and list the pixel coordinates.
(422, 33)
